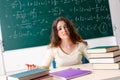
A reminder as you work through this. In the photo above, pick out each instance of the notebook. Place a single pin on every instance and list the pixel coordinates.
(70, 73)
(27, 75)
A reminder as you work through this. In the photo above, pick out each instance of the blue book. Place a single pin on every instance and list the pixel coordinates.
(70, 73)
(27, 75)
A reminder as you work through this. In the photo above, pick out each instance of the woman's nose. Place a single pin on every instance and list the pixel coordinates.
(63, 29)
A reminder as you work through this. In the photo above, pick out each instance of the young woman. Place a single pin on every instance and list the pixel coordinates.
(66, 47)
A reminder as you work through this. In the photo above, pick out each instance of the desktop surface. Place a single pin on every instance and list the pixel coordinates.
(95, 75)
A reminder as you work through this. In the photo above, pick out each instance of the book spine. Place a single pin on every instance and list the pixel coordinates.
(101, 60)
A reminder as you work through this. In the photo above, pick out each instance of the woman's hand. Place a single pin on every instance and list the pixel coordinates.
(31, 66)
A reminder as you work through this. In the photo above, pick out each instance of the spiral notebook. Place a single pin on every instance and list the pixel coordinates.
(70, 73)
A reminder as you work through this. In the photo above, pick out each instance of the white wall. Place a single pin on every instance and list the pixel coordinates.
(102, 41)
(15, 60)
(1, 64)
(115, 14)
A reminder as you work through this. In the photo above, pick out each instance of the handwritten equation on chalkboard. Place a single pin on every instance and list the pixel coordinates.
(27, 23)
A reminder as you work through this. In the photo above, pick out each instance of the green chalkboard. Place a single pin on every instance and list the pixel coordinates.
(27, 23)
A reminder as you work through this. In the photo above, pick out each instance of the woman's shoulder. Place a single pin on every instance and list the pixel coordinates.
(82, 44)
(52, 49)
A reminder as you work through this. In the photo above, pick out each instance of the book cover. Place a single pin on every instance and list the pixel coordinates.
(70, 73)
(105, 55)
(106, 66)
(46, 77)
(102, 49)
(105, 60)
(27, 75)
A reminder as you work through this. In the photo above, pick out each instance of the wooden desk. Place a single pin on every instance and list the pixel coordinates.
(96, 74)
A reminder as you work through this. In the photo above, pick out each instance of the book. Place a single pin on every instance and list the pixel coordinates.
(105, 60)
(113, 78)
(102, 49)
(106, 66)
(105, 55)
(70, 73)
(46, 77)
(27, 75)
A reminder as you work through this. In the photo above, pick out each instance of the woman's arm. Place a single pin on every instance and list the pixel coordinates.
(84, 51)
(47, 60)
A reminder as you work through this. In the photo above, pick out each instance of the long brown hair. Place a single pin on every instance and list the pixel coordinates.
(74, 35)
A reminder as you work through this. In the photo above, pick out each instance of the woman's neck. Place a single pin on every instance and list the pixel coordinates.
(67, 46)
(66, 43)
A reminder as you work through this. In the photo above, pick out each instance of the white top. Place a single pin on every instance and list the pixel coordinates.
(63, 59)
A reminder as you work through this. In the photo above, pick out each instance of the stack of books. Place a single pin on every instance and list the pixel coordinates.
(105, 57)
(29, 75)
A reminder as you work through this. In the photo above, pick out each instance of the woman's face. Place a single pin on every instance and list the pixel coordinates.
(62, 28)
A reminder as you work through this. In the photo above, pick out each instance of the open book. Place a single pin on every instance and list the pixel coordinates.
(70, 73)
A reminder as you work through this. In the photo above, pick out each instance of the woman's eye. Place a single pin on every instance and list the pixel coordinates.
(65, 26)
(59, 29)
